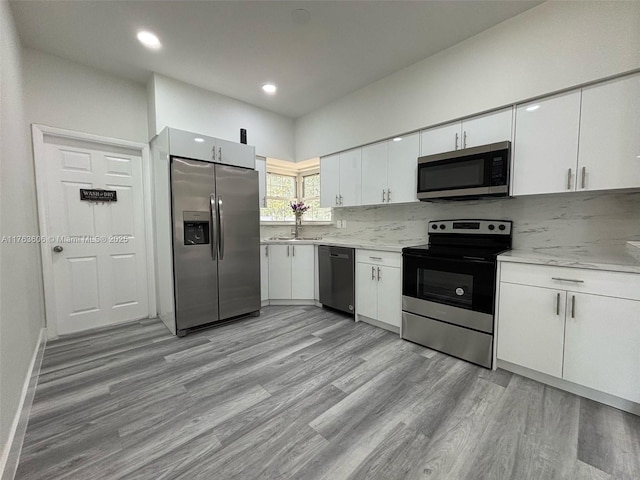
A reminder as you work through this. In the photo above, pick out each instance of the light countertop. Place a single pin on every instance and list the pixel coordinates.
(341, 242)
(617, 259)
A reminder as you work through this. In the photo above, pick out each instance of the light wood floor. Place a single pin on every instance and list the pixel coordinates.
(304, 393)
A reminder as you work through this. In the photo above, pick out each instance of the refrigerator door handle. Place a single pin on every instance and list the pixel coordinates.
(221, 229)
(213, 218)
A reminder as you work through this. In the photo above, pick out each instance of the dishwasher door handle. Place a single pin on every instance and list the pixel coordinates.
(339, 255)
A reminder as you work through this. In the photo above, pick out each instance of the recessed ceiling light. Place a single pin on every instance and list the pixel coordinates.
(532, 108)
(149, 40)
(198, 139)
(300, 15)
(397, 139)
(269, 88)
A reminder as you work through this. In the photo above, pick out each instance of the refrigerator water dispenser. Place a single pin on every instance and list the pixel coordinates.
(196, 228)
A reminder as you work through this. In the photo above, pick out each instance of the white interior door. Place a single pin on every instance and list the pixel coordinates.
(98, 250)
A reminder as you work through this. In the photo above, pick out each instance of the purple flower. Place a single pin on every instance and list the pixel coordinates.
(298, 207)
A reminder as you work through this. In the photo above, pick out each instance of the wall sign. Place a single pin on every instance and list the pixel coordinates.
(98, 195)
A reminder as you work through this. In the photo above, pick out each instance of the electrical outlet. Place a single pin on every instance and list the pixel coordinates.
(338, 223)
(344, 224)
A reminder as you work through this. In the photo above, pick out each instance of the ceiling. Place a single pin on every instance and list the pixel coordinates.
(233, 47)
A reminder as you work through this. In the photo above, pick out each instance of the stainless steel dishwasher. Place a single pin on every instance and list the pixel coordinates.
(336, 271)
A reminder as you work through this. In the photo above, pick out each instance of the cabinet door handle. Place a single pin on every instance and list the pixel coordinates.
(266, 251)
(584, 175)
(379, 277)
(220, 154)
(567, 280)
(456, 140)
(373, 273)
(388, 195)
(384, 198)
(464, 140)
(569, 180)
(340, 199)
(213, 153)
(293, 250)
(375, 258)
(287, 250)
(573, 306)
(558, 304)
(336, 199)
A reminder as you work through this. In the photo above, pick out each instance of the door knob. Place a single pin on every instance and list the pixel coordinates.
(57, 249)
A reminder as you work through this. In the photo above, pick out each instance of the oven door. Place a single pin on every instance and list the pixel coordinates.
(453, 290)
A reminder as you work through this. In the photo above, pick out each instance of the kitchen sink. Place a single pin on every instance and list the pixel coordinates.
(295, 239)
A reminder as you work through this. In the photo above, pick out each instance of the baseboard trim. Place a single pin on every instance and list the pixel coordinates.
(378, 323)
(13, 448)
(292, 302)
(591, 394)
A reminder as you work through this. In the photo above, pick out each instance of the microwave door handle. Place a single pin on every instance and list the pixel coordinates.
(221, 229)
(213, 218)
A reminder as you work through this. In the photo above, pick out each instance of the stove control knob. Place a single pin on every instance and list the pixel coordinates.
(434, 226)
(492, 227)
(442, 226)
(502, 227)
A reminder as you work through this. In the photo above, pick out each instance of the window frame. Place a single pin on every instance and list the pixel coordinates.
(299, 179)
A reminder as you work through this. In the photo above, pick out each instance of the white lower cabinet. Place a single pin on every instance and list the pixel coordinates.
(573, 324)
(602, 344)
(264, 272)
(379, 287)
(291, 272)
(302, 272)
(531, 330)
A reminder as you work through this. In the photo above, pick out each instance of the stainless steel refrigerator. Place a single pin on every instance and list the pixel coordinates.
(216, 242)
(206, 227)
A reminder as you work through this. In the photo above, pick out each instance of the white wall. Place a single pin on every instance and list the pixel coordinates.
(194, 109)
(21, 300)
(64, 94)
(551, 47)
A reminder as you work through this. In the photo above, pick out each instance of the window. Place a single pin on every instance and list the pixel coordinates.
(281, 191)
(288, 182)
(311, 196)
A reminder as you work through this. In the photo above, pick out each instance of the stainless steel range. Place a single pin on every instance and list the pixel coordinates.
(448, 287)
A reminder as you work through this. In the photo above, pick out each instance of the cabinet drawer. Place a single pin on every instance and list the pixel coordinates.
(391, 259)
(611, 284)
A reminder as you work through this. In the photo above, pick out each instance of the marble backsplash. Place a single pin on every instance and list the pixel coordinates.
(543, 221)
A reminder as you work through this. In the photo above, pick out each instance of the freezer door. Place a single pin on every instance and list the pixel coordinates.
(238, 241)
(195, 264)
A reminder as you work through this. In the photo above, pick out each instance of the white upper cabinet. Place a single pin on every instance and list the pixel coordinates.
(330, 181)
(472, 132)
(545, 153)
(261, 167)
(490, 128)
(201, 147)
(374, 173)
(402, 169)
(351, 177)
(609, 154)
(389, 170)
(190, 145)
(444, 138)
(238, 154)
(341, 179)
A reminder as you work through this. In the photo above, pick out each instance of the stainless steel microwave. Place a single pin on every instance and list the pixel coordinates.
(463, 174)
